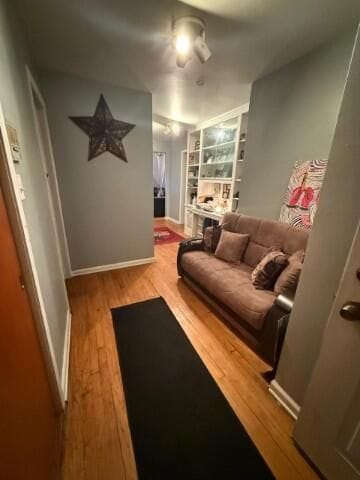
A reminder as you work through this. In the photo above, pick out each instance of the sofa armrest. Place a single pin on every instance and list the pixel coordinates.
(285, 301)
(276, 322)
(188, 245)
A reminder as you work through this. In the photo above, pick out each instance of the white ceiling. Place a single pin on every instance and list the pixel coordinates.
(128, 43)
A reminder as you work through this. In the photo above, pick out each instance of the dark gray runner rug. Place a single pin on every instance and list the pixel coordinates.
(181, 424)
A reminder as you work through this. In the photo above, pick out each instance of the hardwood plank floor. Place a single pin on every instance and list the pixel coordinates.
(97, 438)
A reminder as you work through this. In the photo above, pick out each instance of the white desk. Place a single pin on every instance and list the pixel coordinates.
(199, 213)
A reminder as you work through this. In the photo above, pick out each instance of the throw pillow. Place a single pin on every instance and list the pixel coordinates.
(215, 236)
(289, 277)
(231, 246)
(208, 238)
(268, 269)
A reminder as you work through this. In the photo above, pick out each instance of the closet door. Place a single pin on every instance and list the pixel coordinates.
(29, 425)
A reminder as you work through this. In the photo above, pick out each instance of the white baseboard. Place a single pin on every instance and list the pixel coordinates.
(172, 220)
(284, 399)
(112, 266)
(66, 358)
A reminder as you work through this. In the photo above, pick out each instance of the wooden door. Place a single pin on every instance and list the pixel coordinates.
(328, 428)
(29, 426)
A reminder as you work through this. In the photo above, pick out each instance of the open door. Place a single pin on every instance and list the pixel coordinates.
(328, 428)
(29, 423)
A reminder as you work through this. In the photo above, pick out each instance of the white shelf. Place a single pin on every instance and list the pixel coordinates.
(218, 163)
(215, 180)
(219, 145)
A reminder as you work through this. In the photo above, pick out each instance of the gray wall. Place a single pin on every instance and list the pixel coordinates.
(15, 101)
(292, 117)
(173, 147)
(333, 231)
(107, 203)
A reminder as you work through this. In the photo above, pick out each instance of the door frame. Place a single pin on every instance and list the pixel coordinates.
(48, 163)
(17, 219)
(182, 186)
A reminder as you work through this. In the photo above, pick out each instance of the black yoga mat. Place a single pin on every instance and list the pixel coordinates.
(181, 424)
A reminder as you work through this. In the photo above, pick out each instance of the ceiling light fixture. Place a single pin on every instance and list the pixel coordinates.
(183, 44)
(175, 128)
(189, 38)
(172, 128)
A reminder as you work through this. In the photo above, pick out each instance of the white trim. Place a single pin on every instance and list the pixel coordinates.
(224, 116)
(284, 399)
(172, 220)
(66, 358)
(183, 167)
(30, 256)
(112, 266)
(50, 164)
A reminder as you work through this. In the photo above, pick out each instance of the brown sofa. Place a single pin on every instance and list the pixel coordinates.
(259, 315)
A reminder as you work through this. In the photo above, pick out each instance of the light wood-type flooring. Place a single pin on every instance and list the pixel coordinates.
(97, 439)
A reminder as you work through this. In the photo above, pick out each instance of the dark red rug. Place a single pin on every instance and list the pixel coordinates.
(164, 235)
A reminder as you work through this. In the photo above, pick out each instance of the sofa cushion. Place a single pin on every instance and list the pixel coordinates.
(289, 277)
(231, 246)
(264, 234)
(230, 284)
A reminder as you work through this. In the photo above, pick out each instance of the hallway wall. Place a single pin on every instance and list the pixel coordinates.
(16, 104)
(107, 203)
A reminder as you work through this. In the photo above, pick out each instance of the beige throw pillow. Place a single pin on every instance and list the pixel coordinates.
(231, 246)
(268, 269)
(289, 277)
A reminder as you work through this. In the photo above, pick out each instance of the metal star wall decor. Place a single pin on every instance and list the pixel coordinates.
(105, 133)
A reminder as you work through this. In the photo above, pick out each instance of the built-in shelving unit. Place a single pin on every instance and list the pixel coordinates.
(216, 155)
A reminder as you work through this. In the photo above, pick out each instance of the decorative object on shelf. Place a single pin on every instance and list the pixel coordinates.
(197, 145)
(303, 194)
(242, 154)
(105, 132)
(242, 137)
(226, 191)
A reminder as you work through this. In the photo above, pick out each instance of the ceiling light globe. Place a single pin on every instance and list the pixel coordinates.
(175, 127)
(182, 44)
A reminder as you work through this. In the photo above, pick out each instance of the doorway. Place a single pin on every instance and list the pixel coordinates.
(47, 158)
(160, 184)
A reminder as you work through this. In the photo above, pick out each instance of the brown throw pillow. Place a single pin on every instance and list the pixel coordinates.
(215, 236)
(268, 269)
(231, 246)
(289, 277)
(208, 236)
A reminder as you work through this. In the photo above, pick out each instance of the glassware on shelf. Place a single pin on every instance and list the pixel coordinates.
(222, 133)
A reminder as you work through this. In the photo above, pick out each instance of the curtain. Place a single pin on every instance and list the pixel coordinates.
(159, 173)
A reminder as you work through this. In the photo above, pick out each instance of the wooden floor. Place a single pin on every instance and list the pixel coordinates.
(97, 439)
